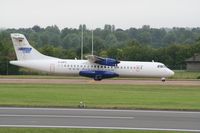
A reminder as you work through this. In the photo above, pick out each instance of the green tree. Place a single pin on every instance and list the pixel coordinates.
(71, 41)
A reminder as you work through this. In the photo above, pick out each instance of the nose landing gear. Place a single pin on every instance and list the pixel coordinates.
(163, 79)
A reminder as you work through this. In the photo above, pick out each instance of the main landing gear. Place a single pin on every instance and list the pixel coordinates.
(98, 77)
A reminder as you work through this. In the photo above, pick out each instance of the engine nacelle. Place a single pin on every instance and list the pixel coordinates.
(108, 62)
(98, 75)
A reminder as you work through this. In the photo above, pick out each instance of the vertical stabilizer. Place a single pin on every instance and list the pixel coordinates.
(24, 50)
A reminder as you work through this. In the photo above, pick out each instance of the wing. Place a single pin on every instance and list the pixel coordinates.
(102, 61)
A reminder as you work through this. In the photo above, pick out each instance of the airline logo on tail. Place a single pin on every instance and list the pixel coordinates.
(25, 49)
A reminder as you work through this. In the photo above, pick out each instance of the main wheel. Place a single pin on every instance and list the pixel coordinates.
(98, 78)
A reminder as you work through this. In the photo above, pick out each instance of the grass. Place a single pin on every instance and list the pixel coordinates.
(182, 74)
(60, 130)
(101, 96)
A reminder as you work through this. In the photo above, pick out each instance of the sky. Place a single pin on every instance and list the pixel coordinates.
(96, 13)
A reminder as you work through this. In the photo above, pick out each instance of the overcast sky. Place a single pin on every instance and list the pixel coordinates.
(96, 13)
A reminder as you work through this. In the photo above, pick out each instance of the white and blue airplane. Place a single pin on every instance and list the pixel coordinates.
(94, 67)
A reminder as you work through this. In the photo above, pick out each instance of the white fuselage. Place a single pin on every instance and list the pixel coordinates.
(73, 67)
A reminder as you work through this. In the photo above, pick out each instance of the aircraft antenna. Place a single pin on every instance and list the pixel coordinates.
(92, 42)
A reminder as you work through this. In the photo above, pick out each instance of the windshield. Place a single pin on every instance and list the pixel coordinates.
(161, 66)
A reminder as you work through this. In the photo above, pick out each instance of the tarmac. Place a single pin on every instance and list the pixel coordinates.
(105, 81)
(100, 119)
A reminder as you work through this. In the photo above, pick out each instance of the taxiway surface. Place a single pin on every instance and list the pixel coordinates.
(106, 81)
(99, 118)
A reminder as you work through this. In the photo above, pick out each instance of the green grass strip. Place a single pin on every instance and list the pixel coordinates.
(101, 96)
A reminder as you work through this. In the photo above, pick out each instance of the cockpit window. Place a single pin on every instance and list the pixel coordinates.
(161, 66)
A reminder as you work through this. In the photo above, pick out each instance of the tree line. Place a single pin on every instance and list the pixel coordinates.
(170, 46)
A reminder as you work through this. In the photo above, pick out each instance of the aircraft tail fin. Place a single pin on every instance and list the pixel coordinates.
(24, 50)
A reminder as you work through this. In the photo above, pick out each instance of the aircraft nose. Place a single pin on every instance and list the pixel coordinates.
(171, 73)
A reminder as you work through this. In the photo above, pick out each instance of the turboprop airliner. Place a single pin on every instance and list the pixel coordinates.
(94, 67)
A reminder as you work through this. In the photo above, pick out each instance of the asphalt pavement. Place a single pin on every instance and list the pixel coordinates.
(106, 81)
(100, 118)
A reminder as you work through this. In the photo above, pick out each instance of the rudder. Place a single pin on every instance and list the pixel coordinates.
(24, 50)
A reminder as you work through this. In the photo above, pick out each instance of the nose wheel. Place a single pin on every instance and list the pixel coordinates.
(163, 79)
